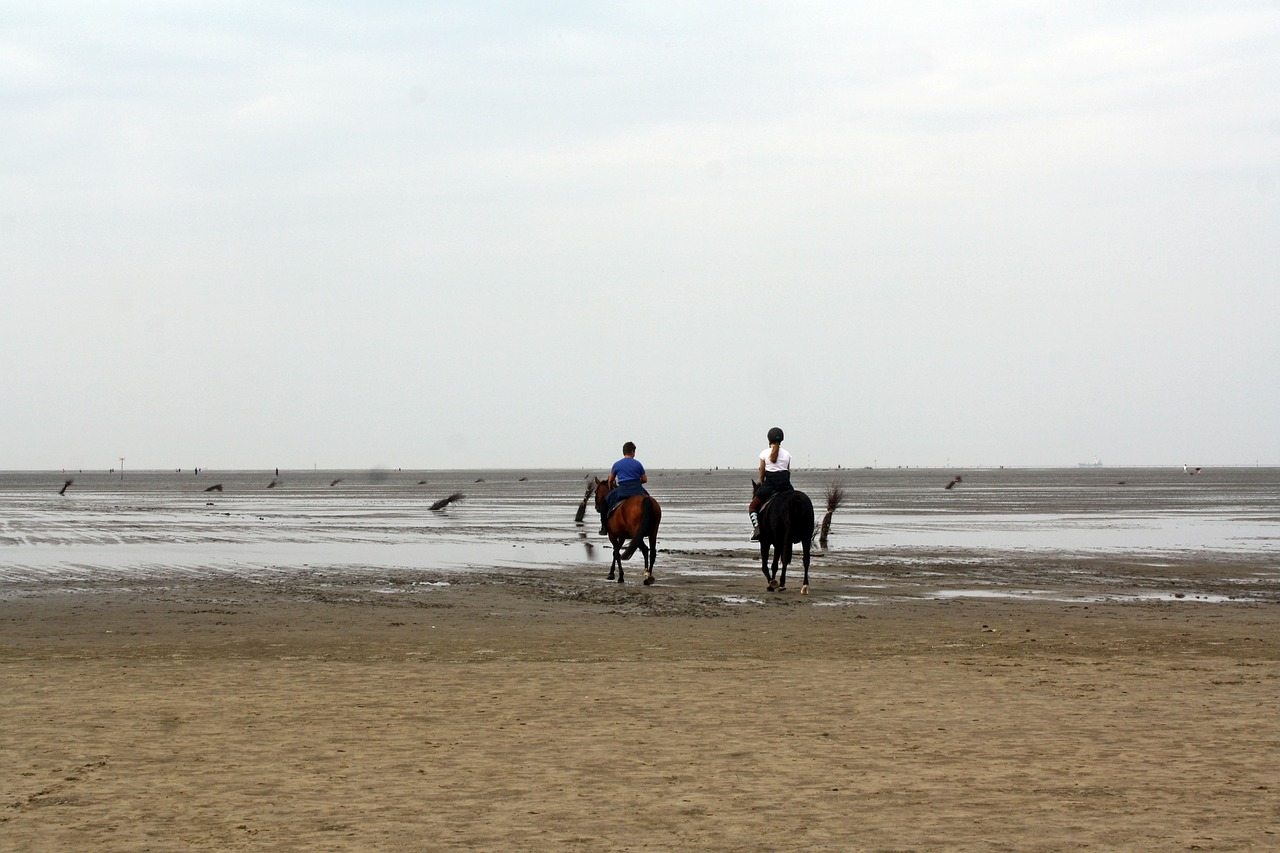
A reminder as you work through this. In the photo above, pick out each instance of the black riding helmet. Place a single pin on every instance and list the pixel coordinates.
(775, 435)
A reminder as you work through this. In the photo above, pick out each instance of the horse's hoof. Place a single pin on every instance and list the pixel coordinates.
(772, 587)
(648, 580)
(611, 576)
(804, 590)
(782, 588)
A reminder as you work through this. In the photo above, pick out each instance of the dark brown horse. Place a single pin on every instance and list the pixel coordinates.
(787, 518)
(635, 520)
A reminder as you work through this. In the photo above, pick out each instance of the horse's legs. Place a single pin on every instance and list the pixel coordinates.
(764, 563)
(644, 555)
(785, 550)
(616, 565)
(804, 549)
(773, 572)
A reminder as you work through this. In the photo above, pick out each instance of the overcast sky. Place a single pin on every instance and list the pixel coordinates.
(432, 235)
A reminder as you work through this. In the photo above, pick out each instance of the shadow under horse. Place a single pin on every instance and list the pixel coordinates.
(786, 519)
(635, 520)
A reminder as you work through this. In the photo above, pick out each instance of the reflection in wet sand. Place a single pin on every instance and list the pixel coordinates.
(1063, 535)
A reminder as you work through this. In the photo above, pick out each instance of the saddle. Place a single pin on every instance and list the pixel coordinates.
(611, 510)
(608, 514)
(604, 519)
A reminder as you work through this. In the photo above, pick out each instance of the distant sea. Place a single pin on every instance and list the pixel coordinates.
(113, 526)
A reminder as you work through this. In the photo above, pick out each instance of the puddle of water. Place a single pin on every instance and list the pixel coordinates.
(740, 599)
(1185, 597)
(843, 600)
(900, 535)
(1096, 598)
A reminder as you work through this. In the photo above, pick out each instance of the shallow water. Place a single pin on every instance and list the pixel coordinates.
(990, 529)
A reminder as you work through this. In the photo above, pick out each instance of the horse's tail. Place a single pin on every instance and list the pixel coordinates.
(642, 530)
(805, 523)
(795, 518)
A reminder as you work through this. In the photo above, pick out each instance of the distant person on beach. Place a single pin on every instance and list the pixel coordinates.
(626, 480)
(774, 477)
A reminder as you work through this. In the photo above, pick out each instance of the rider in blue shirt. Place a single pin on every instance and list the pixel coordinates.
(626, 480)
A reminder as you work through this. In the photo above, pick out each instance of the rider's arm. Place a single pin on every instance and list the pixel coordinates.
(762, 470)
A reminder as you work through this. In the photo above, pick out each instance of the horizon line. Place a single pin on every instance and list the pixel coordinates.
(836, 467)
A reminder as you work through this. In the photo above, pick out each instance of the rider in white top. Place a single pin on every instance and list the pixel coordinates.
(770, 463)
(775, 476)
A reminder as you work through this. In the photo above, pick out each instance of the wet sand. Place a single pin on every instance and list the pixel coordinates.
(553, 711)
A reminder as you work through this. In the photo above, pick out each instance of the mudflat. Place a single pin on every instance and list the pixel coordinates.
(543, 711)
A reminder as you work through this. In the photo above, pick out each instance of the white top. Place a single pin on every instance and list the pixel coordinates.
(783, 463)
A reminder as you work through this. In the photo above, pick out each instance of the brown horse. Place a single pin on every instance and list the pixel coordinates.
(636, 519)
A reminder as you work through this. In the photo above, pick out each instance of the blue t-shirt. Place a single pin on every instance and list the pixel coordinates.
(627, 468)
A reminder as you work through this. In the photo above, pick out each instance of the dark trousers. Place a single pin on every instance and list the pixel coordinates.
(625, 489)
(774, 482)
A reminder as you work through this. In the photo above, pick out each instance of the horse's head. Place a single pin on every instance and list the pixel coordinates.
(755, 487)
(602, 489)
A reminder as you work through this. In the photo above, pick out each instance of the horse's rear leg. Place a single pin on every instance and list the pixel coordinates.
(804, 548)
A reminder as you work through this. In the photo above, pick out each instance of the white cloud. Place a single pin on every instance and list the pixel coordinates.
(409, 209)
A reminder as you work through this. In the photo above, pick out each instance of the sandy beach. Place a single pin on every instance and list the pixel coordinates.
(553, 711)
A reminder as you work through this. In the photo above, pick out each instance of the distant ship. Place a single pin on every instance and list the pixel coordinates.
(1097, 463)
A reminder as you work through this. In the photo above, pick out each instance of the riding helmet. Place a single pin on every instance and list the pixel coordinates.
(775, 435)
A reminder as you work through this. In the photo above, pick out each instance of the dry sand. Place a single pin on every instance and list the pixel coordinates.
(553, 712)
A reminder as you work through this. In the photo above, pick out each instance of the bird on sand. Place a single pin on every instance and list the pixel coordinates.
(444, 502)
(953, 482)
(63, 490)
(1190, 471)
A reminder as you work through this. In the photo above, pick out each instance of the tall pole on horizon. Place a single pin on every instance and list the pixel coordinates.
(121, 467)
